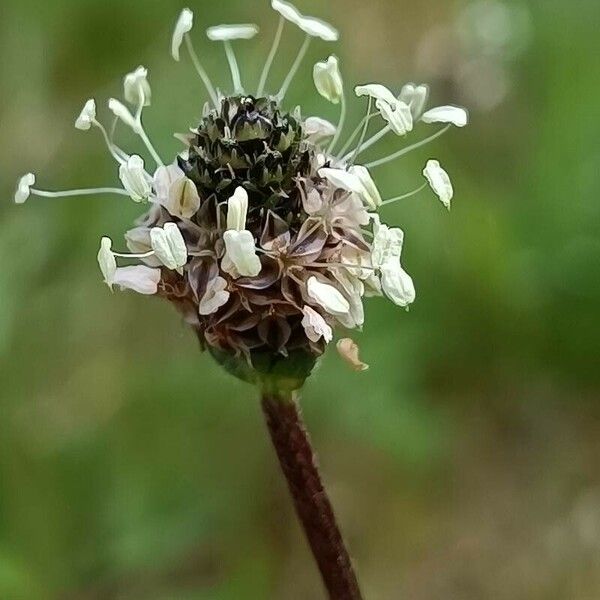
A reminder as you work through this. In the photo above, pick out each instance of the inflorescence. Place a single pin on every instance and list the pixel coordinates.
(265, 231)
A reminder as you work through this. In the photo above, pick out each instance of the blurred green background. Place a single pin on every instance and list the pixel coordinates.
(464, 465)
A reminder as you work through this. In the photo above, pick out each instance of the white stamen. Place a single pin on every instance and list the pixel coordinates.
(404, 196)
(290, 77)
(201, 70)
(395, 155)
(267, 68)
(82, 192)
(233, 67)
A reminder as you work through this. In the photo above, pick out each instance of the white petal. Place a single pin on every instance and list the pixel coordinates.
(224, 33)
(241, 251)
(122, 112)
(107, 261)
(440, 182)
(328, 80)
(370, 194)
(183, 26)
(88, 114)
(328, 297)
(135, 85)
(342, 179)
(447, 114)
(397, 283)
(135, 180)
(317, 129)
(139, 278)
(23, 190)
(377, 92)
(315, 326)
(164, 178)
(184, 200)
(348, 350)
(169, 246)
(215, 297)
(397, 116)
(138, 242)
(237, 210)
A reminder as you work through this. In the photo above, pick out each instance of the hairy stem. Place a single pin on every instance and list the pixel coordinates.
(299, 465)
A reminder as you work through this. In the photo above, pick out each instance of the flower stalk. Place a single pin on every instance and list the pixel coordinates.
(313, 507)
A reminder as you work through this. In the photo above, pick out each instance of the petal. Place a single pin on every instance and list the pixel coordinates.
(315, 326)
(447, 114)
(225, 33)
(317, 129)
(370, 194)
(183, 26)
(440, 182)
(342, 179)
(164, 178)
(216, 296)
(184, 200)
(139, 278)
(328, 297)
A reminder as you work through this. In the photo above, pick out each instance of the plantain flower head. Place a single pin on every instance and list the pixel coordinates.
(266, 232)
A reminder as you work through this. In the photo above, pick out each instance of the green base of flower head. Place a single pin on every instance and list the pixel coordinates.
(270, 372)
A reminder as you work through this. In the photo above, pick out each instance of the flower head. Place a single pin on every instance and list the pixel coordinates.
(265, 237)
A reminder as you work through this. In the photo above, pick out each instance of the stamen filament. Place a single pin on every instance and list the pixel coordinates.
(142, 133)
(369, 143)
(404, 196)
(83, 192)
(338, 264)
(233, 66)
(364, 134)
(366, 119)
(267, 68)
(408, 149)
(201, 71)
(114, 150)
(145, 255)
(294, 69)
(144, 137)
(340, 127)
